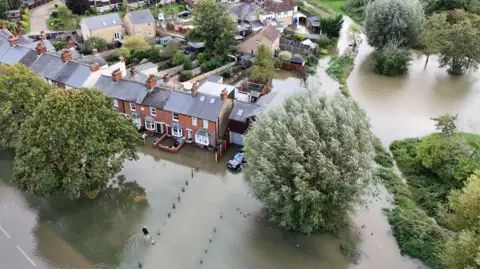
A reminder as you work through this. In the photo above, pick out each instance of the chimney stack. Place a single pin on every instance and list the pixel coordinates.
(44, 35)
(165, 78)
(4, 25)
(224, 94)
(194, 88)
(94, 67)
(69, 43)
(94, 51)
(13, 40)
(41, 48)
(151, 81)
(133, 71)
(116, 75)
(20, 30)
(66, 55)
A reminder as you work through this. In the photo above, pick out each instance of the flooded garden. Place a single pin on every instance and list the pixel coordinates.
(202, 215)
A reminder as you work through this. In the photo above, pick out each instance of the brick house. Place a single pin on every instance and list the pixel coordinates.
(139, 22)
(268, 36)
(199, 118)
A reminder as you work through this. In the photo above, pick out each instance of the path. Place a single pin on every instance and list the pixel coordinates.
(38, 16)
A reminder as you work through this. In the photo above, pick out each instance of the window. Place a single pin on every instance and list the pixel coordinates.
(136, 119)
(189, 134)
(175, 116)
(205, 124)
(150, 125)
(115, 103)
(194, 121)
(117, 36)
(133, 107)
(153, 111)
(149, 23)
(202, 137)
(177, 130)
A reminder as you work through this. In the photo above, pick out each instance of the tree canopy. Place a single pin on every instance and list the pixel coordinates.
(63, 12)
(20, 92)
(4, 7)
(310, 160)
(15, 4)
(263, 70)
(73, 144)
(430, 39)
(331, 26)
(133, 44)
(96, 43)
(398, 21)
(214, 26)
(78, 7)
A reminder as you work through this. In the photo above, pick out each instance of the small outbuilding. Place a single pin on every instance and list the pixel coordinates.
(313, 24)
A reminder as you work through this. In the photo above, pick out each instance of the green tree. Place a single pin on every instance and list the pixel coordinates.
(310, 160)
(20, 92)
(285, 56)
(4, 7)
(64, 13)
(354, 34)
(170, 49)
(133, 44)
(73, 144)
(331, 26)
(452, 159)
(78, 7)
(446, 124)
(460, 44)
(462, 214)
(432, 35)
(214, 26)
(264, 69)
(179, 59)
(96, 43)
(391, 60)
(124, 4)
(398, 21)
(15, 4)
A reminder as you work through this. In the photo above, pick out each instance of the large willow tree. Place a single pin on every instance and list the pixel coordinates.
(310, 160)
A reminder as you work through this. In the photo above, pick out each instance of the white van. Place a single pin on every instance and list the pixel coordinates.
(161, 17)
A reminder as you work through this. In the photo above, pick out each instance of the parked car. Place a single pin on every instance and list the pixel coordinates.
(161, 17)
(184, 14)
(237, 162)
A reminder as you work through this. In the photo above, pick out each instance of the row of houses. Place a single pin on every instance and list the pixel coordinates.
(112, 28)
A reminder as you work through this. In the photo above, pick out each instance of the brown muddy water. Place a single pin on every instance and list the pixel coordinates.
(106, 232)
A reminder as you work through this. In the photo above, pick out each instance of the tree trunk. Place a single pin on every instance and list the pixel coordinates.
(426, 61)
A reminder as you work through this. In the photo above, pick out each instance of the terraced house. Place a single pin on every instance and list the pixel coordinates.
(200, 118)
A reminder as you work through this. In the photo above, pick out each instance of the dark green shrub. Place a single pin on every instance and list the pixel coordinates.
(59, 45)
(179, 58)
(331, 26)
(186, 75)
(391, 61)
(209, 66)
(312, 60)
(324, 42)
(340, 67)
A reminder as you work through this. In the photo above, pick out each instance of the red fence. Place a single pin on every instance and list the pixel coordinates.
(222, 149)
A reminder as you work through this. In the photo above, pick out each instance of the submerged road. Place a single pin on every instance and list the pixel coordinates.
(12, 254)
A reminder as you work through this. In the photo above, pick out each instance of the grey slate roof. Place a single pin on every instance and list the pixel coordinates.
(243, 110)
(314, 20)
(157, 98)
(256, 23)
(13, 54)
(5, 34)
(186, 104)
(297, 60)
(211, 78)
(145, 66)
(70, 73)
(140, 16)
(91, 59)
(125, 90)
(29, 58)
(102, 21)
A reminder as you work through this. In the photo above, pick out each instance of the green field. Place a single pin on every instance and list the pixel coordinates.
(172, 9)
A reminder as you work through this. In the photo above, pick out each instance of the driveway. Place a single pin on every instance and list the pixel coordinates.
(38, 17)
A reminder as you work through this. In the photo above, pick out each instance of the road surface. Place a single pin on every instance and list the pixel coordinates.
(38, 16)
(12, 254)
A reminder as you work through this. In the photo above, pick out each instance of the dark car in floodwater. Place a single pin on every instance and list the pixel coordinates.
(237, 162)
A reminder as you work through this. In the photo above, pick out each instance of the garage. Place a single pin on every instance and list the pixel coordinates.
(237, 138)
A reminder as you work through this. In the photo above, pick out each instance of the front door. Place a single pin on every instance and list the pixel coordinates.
(160, 128)
(169, 130)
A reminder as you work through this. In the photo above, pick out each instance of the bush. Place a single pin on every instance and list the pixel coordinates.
(331, 26)
(324, 52)
(340, 67)
(391, 61)
(285, 56)
(324, 42)
(179, 58)
(186, 75)
(96, 43)
(54, 14)
(59, 45)
(312, 60)
(93, 11)
(201, 58)
(188, 65)
(311, 70)
(209, 66)
(299, 37)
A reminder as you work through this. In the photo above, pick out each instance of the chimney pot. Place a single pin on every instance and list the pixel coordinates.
(66, 55)
(133, 71)
(44, 35)
(151, 81)
(13, 40)
(94, 67)
(41, 48)
(20, 30)
(224, 94)
(194, 88)
(116, 75)
(69, 43)
(165, 78)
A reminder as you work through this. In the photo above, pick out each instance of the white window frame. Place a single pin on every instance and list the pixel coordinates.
(189, 134)
(151, 126)
(205, 124)
(202, 140)
(175, 118)
(115, 103)
(194, 121)
(153, 111)
(117, 36)
(133, 107)
(178, 132)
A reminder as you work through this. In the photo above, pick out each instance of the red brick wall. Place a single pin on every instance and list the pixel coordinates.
(186, 122)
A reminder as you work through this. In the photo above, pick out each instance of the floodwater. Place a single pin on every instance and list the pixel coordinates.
(105, 233)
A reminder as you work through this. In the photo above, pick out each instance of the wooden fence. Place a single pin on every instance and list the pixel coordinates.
(222, 149)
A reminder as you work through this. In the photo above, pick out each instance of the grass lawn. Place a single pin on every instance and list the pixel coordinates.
(333, 5)
(27, 29)
(172, 9)
(67, 24)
